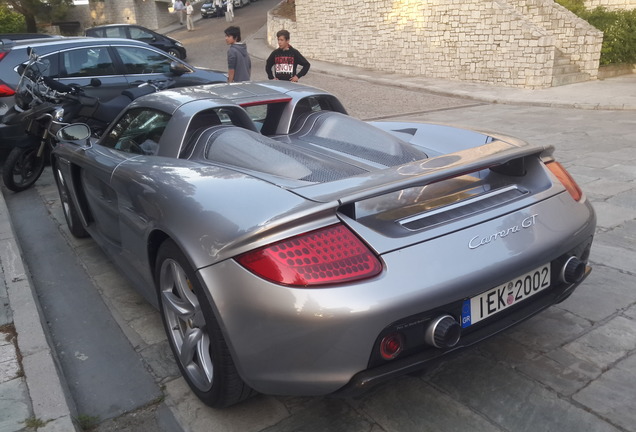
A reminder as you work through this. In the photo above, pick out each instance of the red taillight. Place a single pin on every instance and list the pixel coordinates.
(5, 90)
(566, 179)
(325, 256)
(391, 346)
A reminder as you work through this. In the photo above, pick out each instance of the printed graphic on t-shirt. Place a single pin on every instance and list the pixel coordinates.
(284, 65)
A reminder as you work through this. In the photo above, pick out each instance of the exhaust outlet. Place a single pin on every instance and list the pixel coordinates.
(573, 270)
(443, 332)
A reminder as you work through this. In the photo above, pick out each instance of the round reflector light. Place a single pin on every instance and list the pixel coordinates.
(391, 346)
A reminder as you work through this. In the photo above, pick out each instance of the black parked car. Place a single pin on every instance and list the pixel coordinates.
(117, 63)
(136, 32)
(208, 9)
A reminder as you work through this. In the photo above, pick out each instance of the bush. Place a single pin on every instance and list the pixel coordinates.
(618, 27)
(11, 22)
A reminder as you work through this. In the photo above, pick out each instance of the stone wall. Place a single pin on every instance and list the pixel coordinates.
(575, 37)
(147, 13)
(611, 4)
(490, 41)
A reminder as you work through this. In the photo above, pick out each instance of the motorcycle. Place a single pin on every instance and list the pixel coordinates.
(43, 106)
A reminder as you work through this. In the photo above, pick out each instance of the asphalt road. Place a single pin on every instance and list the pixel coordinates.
(569, 369)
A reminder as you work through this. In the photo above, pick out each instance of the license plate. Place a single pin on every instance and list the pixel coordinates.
(504, 296)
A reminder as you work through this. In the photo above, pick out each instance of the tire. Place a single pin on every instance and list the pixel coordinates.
(194, 335)
(175, 53)
(23, 168)
(71, 215)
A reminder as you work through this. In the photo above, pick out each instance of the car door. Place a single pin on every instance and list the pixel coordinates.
(80, 65)
(136, 133)
(143, 35)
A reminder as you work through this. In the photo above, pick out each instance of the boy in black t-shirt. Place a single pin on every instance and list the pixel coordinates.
(285, 60)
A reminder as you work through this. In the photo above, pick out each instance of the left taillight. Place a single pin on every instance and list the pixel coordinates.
(326, 256)
(566, 179)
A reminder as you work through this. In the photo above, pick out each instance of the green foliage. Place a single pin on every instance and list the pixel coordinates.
(618, 27)
(86, 422)
(10, 21)
(34, 423)
(619, 30)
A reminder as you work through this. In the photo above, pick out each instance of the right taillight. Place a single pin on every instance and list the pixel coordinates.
(326, 256)
(566, 179)
(5, 90)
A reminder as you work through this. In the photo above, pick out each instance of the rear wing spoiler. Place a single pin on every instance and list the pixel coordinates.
(420, 173)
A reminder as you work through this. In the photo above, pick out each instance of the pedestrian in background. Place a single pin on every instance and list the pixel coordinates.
(229, 11)
(239, 64)
(179, 7)
(285, 60)
(218, 6)
(189, 11)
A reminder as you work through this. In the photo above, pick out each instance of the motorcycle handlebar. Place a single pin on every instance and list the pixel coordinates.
(57, 86)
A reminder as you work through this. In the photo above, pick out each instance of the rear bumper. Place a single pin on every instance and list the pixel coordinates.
(363, 381)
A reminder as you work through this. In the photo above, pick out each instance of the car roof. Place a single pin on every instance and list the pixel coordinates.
(116, 25)
(243, 93)
(72, 42)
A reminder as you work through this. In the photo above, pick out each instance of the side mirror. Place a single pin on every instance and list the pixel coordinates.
(74, 133)
(95, 82)
(178, 68)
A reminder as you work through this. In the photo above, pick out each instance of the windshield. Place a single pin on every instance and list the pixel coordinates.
(30, 85)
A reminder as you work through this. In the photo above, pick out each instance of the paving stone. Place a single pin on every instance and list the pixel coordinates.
(252, 415)
(609, 395)
(625, 199)
(409, 405)
(615, 257)
(610, 215)
(623, 236)
(604, 293)
(597, 160)
(507, 348)
(14, 405)
(161, 361)
(333, 415)
(560, 371)
(9, 366)
(511, 400)
(630, 312)
(606, 344)
(605, 188)
(148, 325)
(551, 328)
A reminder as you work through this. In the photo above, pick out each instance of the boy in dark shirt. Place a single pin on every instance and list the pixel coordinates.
(285, 60)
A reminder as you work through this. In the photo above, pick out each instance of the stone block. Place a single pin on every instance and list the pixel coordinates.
(606, 344)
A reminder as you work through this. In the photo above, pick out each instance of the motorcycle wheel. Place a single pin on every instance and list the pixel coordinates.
(22, 168)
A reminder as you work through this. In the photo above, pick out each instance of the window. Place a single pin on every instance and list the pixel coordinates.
(87, 62)
(140, 34)
(138, 131)
(142, 61)
(116, 32)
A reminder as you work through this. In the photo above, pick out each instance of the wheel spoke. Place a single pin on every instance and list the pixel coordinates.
(176, 292)
(189, 347)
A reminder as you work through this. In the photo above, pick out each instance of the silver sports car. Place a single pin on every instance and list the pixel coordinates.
(294, 250)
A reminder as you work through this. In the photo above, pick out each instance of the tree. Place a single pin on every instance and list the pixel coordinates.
(44, 10)
(10, 22)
